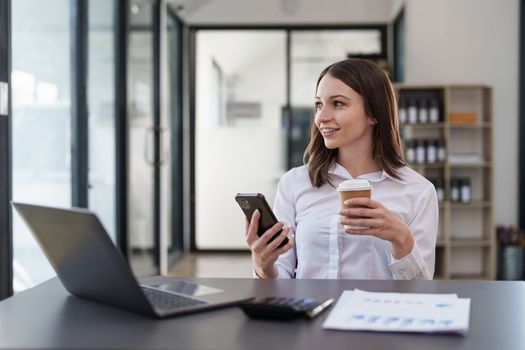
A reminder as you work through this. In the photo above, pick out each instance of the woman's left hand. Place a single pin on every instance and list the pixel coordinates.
(381, 223)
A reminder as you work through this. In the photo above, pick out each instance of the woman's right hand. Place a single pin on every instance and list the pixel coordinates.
(264, 254)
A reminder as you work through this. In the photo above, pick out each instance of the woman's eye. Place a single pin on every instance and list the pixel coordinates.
(318, 105)
(338, 104)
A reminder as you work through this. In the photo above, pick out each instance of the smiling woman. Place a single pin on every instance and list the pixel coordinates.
(355, 135)
(363, 100)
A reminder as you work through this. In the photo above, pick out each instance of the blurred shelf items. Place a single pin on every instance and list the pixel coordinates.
(447, 136)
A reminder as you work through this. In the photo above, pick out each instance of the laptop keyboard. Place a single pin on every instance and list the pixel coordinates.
(163, 300)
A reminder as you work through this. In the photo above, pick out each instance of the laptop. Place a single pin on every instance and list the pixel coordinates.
(91, 267)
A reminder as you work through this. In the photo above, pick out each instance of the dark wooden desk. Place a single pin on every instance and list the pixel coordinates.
(47, 317)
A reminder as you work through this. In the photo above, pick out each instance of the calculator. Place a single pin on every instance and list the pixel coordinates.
(283, 308)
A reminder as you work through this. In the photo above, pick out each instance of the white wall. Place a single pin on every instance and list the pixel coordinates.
(473, 41)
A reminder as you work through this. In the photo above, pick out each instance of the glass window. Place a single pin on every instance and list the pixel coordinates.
(240, 140)
(41, 123)
(101, 107)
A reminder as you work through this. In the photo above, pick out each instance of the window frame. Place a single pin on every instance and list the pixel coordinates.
(6, 224)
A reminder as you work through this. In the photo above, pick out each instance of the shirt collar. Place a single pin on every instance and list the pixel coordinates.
(338, 170)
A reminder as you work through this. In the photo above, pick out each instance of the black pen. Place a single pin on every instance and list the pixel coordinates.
(320, 308)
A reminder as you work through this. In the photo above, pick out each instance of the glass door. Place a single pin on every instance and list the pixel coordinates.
(141, 198)
(101, 106)
(154, 154)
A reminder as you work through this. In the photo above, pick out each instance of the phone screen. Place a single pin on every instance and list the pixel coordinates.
(251, 201)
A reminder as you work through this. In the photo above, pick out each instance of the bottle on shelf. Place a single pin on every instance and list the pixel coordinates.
(410, 151)
(431, 151)
(420, 146)
(412, 112)
(466, 191)
(433, 111)
(423, 111)
(402, 111)
(441, 151)
(455, 188)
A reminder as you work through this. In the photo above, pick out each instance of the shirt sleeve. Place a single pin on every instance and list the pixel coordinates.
(420, 262)
(284, 209)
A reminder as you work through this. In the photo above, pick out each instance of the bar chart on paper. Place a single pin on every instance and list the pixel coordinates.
(399, 312)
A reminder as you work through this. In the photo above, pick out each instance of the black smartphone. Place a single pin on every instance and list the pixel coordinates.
(251, 201)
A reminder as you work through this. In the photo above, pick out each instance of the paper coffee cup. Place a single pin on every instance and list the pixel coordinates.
(356, 188)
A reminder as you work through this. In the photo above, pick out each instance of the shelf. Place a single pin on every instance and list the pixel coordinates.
(445, 124)
(415, 86)
(469, 276)
(470, 126)
(473, 204)
(418, 86)
(451, 165)
(470, 165)
(427, 165)
(468, 86)
(466, 246)
(470, 243)
(424, 125)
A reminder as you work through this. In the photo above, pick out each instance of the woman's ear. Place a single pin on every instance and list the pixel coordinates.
(372, 121)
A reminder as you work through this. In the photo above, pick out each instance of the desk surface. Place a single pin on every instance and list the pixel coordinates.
(48, 317)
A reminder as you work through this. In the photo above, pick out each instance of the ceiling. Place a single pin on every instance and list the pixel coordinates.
(284, 12)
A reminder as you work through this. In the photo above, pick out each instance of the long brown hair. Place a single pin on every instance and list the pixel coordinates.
(379, 101)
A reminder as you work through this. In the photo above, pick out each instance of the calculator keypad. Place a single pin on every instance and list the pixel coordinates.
(298, 304)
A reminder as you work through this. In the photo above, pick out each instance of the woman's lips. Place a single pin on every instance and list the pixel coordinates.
(327, 132)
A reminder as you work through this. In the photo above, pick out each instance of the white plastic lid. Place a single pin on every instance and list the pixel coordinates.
(354, 185)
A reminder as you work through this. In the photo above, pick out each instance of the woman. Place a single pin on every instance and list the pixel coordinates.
(355, 134)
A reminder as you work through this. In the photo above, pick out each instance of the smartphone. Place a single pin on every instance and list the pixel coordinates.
(251, 201)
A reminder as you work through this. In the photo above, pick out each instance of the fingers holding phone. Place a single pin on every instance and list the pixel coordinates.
(270, 240)
(259, 215)
(265, 236)
(252, 227)
(267, 248)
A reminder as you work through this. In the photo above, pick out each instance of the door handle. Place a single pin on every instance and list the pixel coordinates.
(149, 139)
(148, 145)
(4, 100)
(162, 153)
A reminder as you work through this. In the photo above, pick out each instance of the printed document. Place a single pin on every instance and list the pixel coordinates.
(399, 312)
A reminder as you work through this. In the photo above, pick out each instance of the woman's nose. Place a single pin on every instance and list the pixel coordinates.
(322, 114)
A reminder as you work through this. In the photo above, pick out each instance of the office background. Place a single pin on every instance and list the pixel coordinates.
(142, 110)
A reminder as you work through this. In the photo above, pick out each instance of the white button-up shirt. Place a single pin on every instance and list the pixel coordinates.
(323, 250)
